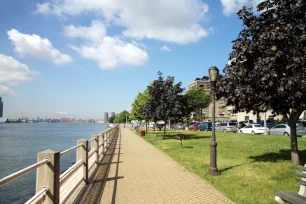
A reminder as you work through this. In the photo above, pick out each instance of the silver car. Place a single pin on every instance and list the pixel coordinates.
(284, 129)
(226, 127)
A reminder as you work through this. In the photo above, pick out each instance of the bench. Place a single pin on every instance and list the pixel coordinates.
(292, 197)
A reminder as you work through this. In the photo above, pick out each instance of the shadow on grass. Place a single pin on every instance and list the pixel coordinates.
(231, 167)
(282, 155)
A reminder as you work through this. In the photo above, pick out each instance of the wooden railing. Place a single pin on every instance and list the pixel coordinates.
(54, 187)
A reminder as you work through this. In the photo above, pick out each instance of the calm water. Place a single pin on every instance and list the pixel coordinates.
(20, 143)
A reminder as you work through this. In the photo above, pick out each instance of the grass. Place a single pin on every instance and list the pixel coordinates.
(252, 166)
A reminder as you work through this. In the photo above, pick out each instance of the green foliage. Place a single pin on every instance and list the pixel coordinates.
(267, 68)
(139, 102)
(248, 163)
(111, 119)
(166, 101)
(122, 117)
(197, 100)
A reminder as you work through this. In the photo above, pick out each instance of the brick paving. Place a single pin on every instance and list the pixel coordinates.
(140, 173)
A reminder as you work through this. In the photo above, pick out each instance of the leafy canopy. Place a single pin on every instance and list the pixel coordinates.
(139, 102)
(197, 99)
(166, 101)
(267, 68)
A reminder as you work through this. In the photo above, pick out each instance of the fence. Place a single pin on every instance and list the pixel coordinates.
(54, 187)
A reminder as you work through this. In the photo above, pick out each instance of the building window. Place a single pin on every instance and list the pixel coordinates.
(201, 85)
(221, 113)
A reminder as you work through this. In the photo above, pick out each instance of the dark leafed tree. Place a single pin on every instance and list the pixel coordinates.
(267, 67)
(197, 100)
(167, 101)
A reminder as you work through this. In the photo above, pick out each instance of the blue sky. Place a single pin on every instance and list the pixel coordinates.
(88, 57)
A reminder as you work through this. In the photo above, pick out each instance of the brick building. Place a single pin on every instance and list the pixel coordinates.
(223, 112)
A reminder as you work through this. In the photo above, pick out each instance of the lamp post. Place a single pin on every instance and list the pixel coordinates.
(213, 170)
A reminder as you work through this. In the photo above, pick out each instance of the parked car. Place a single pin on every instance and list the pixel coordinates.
(241, 125)
(253, 129)
(248, 122)
(284, 129)
(303, 122)
(151, 125)
(268, 122)
(193, 126)
(179, 126)
(205, 126)
(226, 127)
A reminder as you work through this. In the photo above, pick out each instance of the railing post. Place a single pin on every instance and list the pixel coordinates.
(48, 175)
(103, 148)
(95, 145)
(82, 154)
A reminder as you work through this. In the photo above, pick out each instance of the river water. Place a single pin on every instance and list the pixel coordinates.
(20, 143)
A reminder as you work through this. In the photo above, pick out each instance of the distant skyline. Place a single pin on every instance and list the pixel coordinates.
(94, 56)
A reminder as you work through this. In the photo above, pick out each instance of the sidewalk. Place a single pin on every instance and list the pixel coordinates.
(140, 173)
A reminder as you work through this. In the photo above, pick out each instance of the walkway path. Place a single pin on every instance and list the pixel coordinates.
(140, 173)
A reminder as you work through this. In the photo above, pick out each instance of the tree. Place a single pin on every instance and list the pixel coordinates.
(267, 67)
(139, 102)
(167, 101)
(197, 100)
(111, 119)
(122, 117)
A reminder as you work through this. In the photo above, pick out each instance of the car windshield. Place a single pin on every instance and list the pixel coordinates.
(232, 124)
(256, 125)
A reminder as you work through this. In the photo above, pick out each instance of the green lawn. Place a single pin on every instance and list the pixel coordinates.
(252, 166)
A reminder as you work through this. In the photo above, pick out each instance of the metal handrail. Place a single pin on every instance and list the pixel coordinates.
(91, 139)
(69, 150)
(92, 152)
(16, 175)
(64, 175)
(39, 193)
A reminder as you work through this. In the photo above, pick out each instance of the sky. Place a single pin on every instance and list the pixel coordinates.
(87, 57)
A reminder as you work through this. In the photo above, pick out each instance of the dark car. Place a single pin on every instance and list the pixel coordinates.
(193, 126)
(205, 126)
(268, 122)
(179, 126)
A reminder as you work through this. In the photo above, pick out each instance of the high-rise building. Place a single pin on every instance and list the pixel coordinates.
(1, 108)
(106, 117)
(113, 114)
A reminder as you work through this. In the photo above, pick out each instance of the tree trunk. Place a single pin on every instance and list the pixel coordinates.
(155, 128)
(146, 127)
(257, 118)
(165, 129)
(293, 139)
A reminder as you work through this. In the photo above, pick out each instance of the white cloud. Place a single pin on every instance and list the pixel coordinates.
(13, 72)
(233, 6)
(36, 46)
(6, 91)
(177, 21)
(95, 32)
(165, 48)
(113, 52)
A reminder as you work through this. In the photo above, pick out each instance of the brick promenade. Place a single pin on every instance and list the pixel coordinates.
(140, 173)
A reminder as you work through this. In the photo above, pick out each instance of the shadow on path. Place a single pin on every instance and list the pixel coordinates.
(93, 192)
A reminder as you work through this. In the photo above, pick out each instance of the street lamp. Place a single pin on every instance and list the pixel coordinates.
(213, 170)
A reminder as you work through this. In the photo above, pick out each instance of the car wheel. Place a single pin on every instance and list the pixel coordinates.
(252, 132)
(286, 134)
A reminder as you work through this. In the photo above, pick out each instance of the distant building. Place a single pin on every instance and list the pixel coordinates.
(113, 114)
(1, 108)
(223, 112)
(106, 117)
